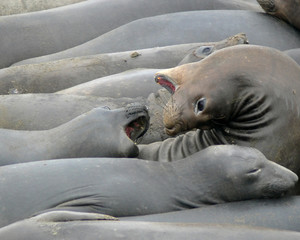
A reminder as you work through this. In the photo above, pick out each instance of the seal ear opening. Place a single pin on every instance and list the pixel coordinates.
(166, 82)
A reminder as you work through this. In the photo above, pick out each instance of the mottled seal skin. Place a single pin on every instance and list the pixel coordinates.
(283, 213)
(254, 104)
(294, 54)
(9, 7)
(288, 10)
(62, 74)
(128, 187)
(97, 133)
(39, 33)
(183, 27)
(37, 229)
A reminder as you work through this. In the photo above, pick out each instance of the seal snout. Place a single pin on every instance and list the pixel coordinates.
(283, 181)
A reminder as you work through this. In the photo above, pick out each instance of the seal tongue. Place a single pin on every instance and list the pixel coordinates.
(136, 128)
(166, 83)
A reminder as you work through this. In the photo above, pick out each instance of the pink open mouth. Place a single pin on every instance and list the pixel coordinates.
(136, 128)
(164, 82)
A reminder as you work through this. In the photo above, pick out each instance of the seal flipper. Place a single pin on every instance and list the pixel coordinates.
(65, 216)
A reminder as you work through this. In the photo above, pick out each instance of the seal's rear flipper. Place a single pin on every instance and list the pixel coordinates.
(65, 216)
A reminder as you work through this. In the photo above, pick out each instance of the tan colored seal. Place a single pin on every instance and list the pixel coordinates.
(287, 10)
(245, 95)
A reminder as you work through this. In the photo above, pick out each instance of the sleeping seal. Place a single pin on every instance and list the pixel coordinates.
(129, 187)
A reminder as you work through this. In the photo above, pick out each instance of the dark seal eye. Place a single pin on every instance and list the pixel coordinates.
(254, 171)
(200, 105)
(204, 50)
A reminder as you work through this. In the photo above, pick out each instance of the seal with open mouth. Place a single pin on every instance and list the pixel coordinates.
(130, 187)
(245, 95)
(97, 133)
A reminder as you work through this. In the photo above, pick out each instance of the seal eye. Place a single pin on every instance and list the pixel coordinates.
(200, 105)
(254, 171)
(204, 50)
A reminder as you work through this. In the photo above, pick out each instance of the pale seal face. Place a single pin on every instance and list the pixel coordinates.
(135, 123)
(287, 10)
(244, 173)
(110, 132)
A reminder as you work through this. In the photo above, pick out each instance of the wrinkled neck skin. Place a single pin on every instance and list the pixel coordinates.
(258, 101)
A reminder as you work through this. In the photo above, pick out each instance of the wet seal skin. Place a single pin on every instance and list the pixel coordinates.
(122, 187)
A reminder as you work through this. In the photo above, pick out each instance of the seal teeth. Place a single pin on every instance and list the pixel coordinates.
(137, 128)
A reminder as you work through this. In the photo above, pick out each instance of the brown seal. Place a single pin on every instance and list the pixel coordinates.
(287, 10)
(245, 95)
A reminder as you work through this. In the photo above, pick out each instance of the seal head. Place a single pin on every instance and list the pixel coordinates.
(287, 10)
(242, 173)
(205, 50)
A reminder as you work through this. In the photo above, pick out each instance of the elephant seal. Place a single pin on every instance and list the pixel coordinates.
(37, 228)
(58, 75)
(130, 84)
(128, 187)
(242, 105)
(184, 27)
(282, 213)
(40, 33)
(294, 54)
(46, 111)
(287, 10)
(97, 133)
